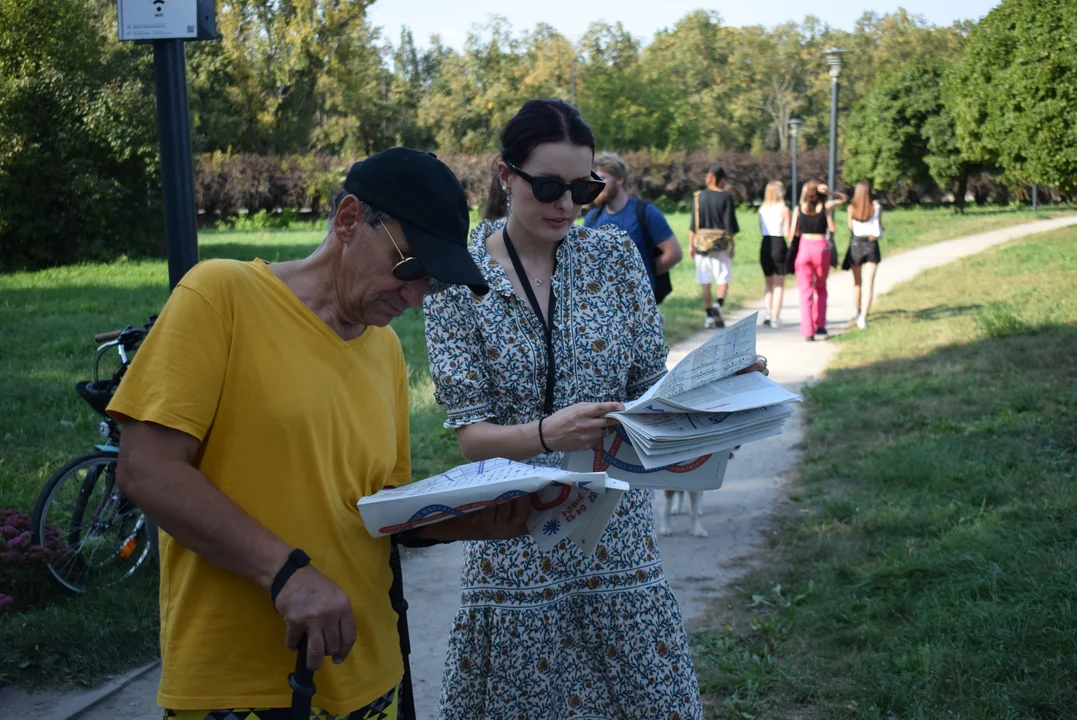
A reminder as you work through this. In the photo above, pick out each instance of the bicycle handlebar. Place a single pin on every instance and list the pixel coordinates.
(107, 336)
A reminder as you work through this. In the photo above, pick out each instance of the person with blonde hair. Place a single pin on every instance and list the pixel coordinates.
(863, 256)
(773, 226)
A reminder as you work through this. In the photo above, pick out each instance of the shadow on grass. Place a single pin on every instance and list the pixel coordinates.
(934, 542)
(932, 313)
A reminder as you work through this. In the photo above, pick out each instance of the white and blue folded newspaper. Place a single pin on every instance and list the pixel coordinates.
(677, 436)
(563, 503)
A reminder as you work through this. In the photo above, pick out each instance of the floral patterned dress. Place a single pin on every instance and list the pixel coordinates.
(551, 635)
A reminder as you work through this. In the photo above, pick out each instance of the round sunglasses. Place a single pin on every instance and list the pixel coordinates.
(550, 189)
(410, 267)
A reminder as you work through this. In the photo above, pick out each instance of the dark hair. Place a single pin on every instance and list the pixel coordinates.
(543, 121)
(810, 197)
(717, 171)
(496, 200)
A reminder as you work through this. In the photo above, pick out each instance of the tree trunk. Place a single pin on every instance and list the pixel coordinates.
(959, 194)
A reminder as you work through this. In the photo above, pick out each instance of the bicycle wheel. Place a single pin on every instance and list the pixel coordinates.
(95, 534)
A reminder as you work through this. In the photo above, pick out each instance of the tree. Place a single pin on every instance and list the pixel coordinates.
(78, 158)
(904, 129)
(1016, 89)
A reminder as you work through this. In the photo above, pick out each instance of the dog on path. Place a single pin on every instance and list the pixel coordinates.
(675, 506)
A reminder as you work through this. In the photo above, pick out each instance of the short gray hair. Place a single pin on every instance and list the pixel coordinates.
(371, 215)
(612, 163)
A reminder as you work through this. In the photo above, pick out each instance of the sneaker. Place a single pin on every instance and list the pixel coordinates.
(810, 338)
(766, 322)
(821, 332)
(708, 323)
(861, 322)
(775, 323)
(716, 311)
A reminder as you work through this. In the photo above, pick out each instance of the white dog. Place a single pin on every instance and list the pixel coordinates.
(675, 506)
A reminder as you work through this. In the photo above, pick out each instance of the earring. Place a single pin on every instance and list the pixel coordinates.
(508, 202)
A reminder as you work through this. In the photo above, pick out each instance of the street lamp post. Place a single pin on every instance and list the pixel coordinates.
(833, 61)
(794, 130)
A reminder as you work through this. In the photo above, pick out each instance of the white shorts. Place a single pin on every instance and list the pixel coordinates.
(715, 267)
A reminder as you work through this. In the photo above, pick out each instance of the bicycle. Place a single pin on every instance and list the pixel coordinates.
(99, 537)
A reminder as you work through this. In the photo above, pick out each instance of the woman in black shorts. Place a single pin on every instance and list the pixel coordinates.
(863, 256)
(773, 223)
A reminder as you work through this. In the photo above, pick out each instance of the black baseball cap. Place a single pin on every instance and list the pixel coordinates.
(422, 193)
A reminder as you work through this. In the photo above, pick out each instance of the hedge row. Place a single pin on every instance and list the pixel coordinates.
(225, 184)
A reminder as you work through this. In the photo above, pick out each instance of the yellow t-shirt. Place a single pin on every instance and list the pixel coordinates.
(296, 425)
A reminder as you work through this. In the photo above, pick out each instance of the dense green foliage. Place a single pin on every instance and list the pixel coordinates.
(77, 137)
(1015, 91)
(1002, 101)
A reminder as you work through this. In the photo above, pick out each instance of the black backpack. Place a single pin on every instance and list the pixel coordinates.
(663, 286)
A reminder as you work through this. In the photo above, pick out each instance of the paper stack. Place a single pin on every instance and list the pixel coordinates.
(677, 436)
(564, 504)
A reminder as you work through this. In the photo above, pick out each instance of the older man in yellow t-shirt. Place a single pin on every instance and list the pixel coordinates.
(265, 402)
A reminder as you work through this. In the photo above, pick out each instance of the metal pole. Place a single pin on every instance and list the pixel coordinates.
(833, 61)
(177, 170)
(793, 191)
(832, 165)
(794, 131)
(1035, 197)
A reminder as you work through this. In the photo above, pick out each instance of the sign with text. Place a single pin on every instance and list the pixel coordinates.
(158, 19)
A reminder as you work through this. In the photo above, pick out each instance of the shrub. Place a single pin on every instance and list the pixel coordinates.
(24, 577)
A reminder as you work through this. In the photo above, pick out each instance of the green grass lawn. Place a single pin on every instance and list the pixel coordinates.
(49, 319)
(927, 567)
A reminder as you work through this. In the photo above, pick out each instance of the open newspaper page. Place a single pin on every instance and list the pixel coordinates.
(679, 433)
(563, 503)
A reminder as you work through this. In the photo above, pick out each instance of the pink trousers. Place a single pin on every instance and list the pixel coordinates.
(812, 266)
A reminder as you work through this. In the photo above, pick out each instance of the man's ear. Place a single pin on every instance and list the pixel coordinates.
(349, 214)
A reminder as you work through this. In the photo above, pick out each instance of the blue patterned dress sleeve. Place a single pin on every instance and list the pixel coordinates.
(456, 363)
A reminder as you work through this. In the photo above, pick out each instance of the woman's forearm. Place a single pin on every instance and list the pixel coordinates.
(485, 440)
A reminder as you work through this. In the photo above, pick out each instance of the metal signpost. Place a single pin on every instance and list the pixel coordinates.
(168, 24)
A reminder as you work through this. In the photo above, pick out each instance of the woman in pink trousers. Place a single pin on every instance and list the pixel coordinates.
(812, 219)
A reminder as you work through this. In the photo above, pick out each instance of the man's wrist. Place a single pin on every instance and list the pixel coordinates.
(297, 560)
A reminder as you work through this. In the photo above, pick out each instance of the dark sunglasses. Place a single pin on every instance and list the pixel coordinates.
(409, 268)
(549, 189)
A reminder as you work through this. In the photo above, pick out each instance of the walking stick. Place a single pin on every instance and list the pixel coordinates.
(302, 683)
(406, 705)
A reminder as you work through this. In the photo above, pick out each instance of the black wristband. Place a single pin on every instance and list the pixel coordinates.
(542, 439)
(296, 559)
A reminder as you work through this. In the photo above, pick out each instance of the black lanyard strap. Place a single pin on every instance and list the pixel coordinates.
(547, 324)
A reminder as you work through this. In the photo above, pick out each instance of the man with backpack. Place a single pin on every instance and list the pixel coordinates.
(643, 222)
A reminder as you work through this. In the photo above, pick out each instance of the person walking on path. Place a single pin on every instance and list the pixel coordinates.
(863, 256)
(568, 332)
(265, 402)
(812, 220)
(711, 243)
(774, 221)
(643, 222)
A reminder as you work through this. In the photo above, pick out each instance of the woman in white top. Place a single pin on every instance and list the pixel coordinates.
(863, 256)
(773, 224)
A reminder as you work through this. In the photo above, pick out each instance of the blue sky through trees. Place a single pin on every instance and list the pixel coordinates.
(642, 18)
